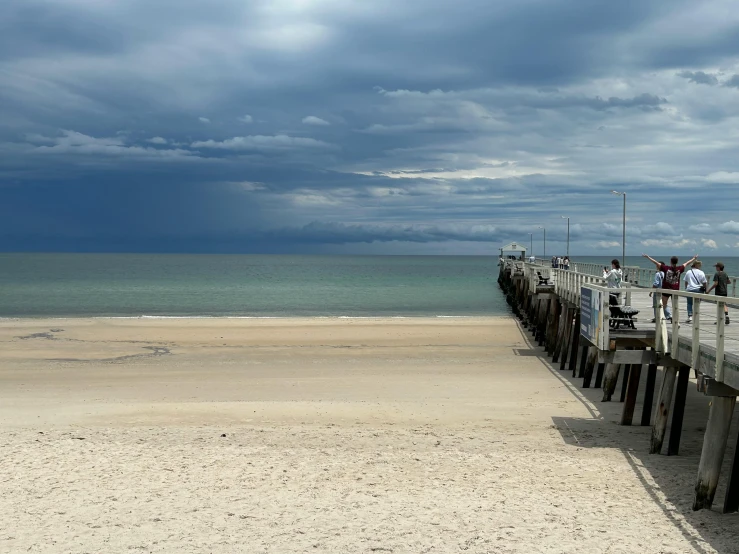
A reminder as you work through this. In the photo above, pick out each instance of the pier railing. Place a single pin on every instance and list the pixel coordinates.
(640, 276)
(703, 344)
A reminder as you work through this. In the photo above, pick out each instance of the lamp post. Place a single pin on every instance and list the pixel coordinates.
(545, 240)
(623, 242)
(531, 237)
(568, 234)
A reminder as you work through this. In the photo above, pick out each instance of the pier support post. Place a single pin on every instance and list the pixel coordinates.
(583, 360)
(678, 410)
(663, 409)
(609, 381)
(566, 338)
(599, 376)
(590, 366)
(625, 381)
(731, 502)
(575, 343)
(552, 324)
(632, 388)
(560, 332)
(542, 323)
(646, 413)
(534, 315)
(714, 447)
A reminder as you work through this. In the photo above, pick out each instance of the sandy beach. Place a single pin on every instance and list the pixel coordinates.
(324, 435)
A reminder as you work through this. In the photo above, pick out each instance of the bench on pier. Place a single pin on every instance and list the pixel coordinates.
(542, 279)
(622, 315)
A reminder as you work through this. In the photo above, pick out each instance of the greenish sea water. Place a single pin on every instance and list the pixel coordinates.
(198, 285)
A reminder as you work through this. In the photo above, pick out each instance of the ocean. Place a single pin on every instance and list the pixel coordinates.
(201, 285)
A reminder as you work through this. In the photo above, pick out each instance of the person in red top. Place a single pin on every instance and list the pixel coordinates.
(672, 274)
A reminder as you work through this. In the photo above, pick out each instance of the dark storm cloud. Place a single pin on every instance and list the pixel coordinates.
(285, 124)
(699, 77)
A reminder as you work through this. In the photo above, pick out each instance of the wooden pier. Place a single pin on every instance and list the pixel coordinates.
(569, 315)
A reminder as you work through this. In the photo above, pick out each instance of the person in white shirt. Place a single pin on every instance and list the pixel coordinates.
(532, 259)
(695, 281)
(613, 281)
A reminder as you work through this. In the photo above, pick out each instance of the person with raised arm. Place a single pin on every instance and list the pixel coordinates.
(672, 273)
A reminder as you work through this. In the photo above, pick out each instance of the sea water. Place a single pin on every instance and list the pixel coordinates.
(200, 285)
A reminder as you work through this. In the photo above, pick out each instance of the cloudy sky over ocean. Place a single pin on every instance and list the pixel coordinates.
(337, 126)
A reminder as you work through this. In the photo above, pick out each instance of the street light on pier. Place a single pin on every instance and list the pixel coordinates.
(545, 240)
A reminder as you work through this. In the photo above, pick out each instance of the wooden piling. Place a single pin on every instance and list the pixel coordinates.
(599, 376)
(714, 447)
(560, 332)
(632, 388)
(583, 359)
(646, 414)
(663, 410)
(625, 381)
(574, 349)
(678, 410)
(534, 314)
(543, 322)
(610, 378)
(552, 324)
(566, 338)
(590, 366)
(731, 501)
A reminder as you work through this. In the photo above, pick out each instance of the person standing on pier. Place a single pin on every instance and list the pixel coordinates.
(721, 283)
(672, 273)
(613, 281)
(657, 284)
(695, 281)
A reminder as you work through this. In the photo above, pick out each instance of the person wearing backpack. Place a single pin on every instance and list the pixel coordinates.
(672, 274)
(721, 283)
(657, 284)
(695, 281)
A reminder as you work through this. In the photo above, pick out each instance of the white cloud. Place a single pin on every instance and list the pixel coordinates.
(660, 228)
(73, 142)
(607, 244)
(203, 120)
(723, 177)
(730, 227)
(669, 243)
(709, 243)
(313, 120)
(246, 119)
(265, 142)
(157, 140)
(700, 228)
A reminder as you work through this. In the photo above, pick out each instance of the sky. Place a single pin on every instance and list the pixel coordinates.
(369, 127)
